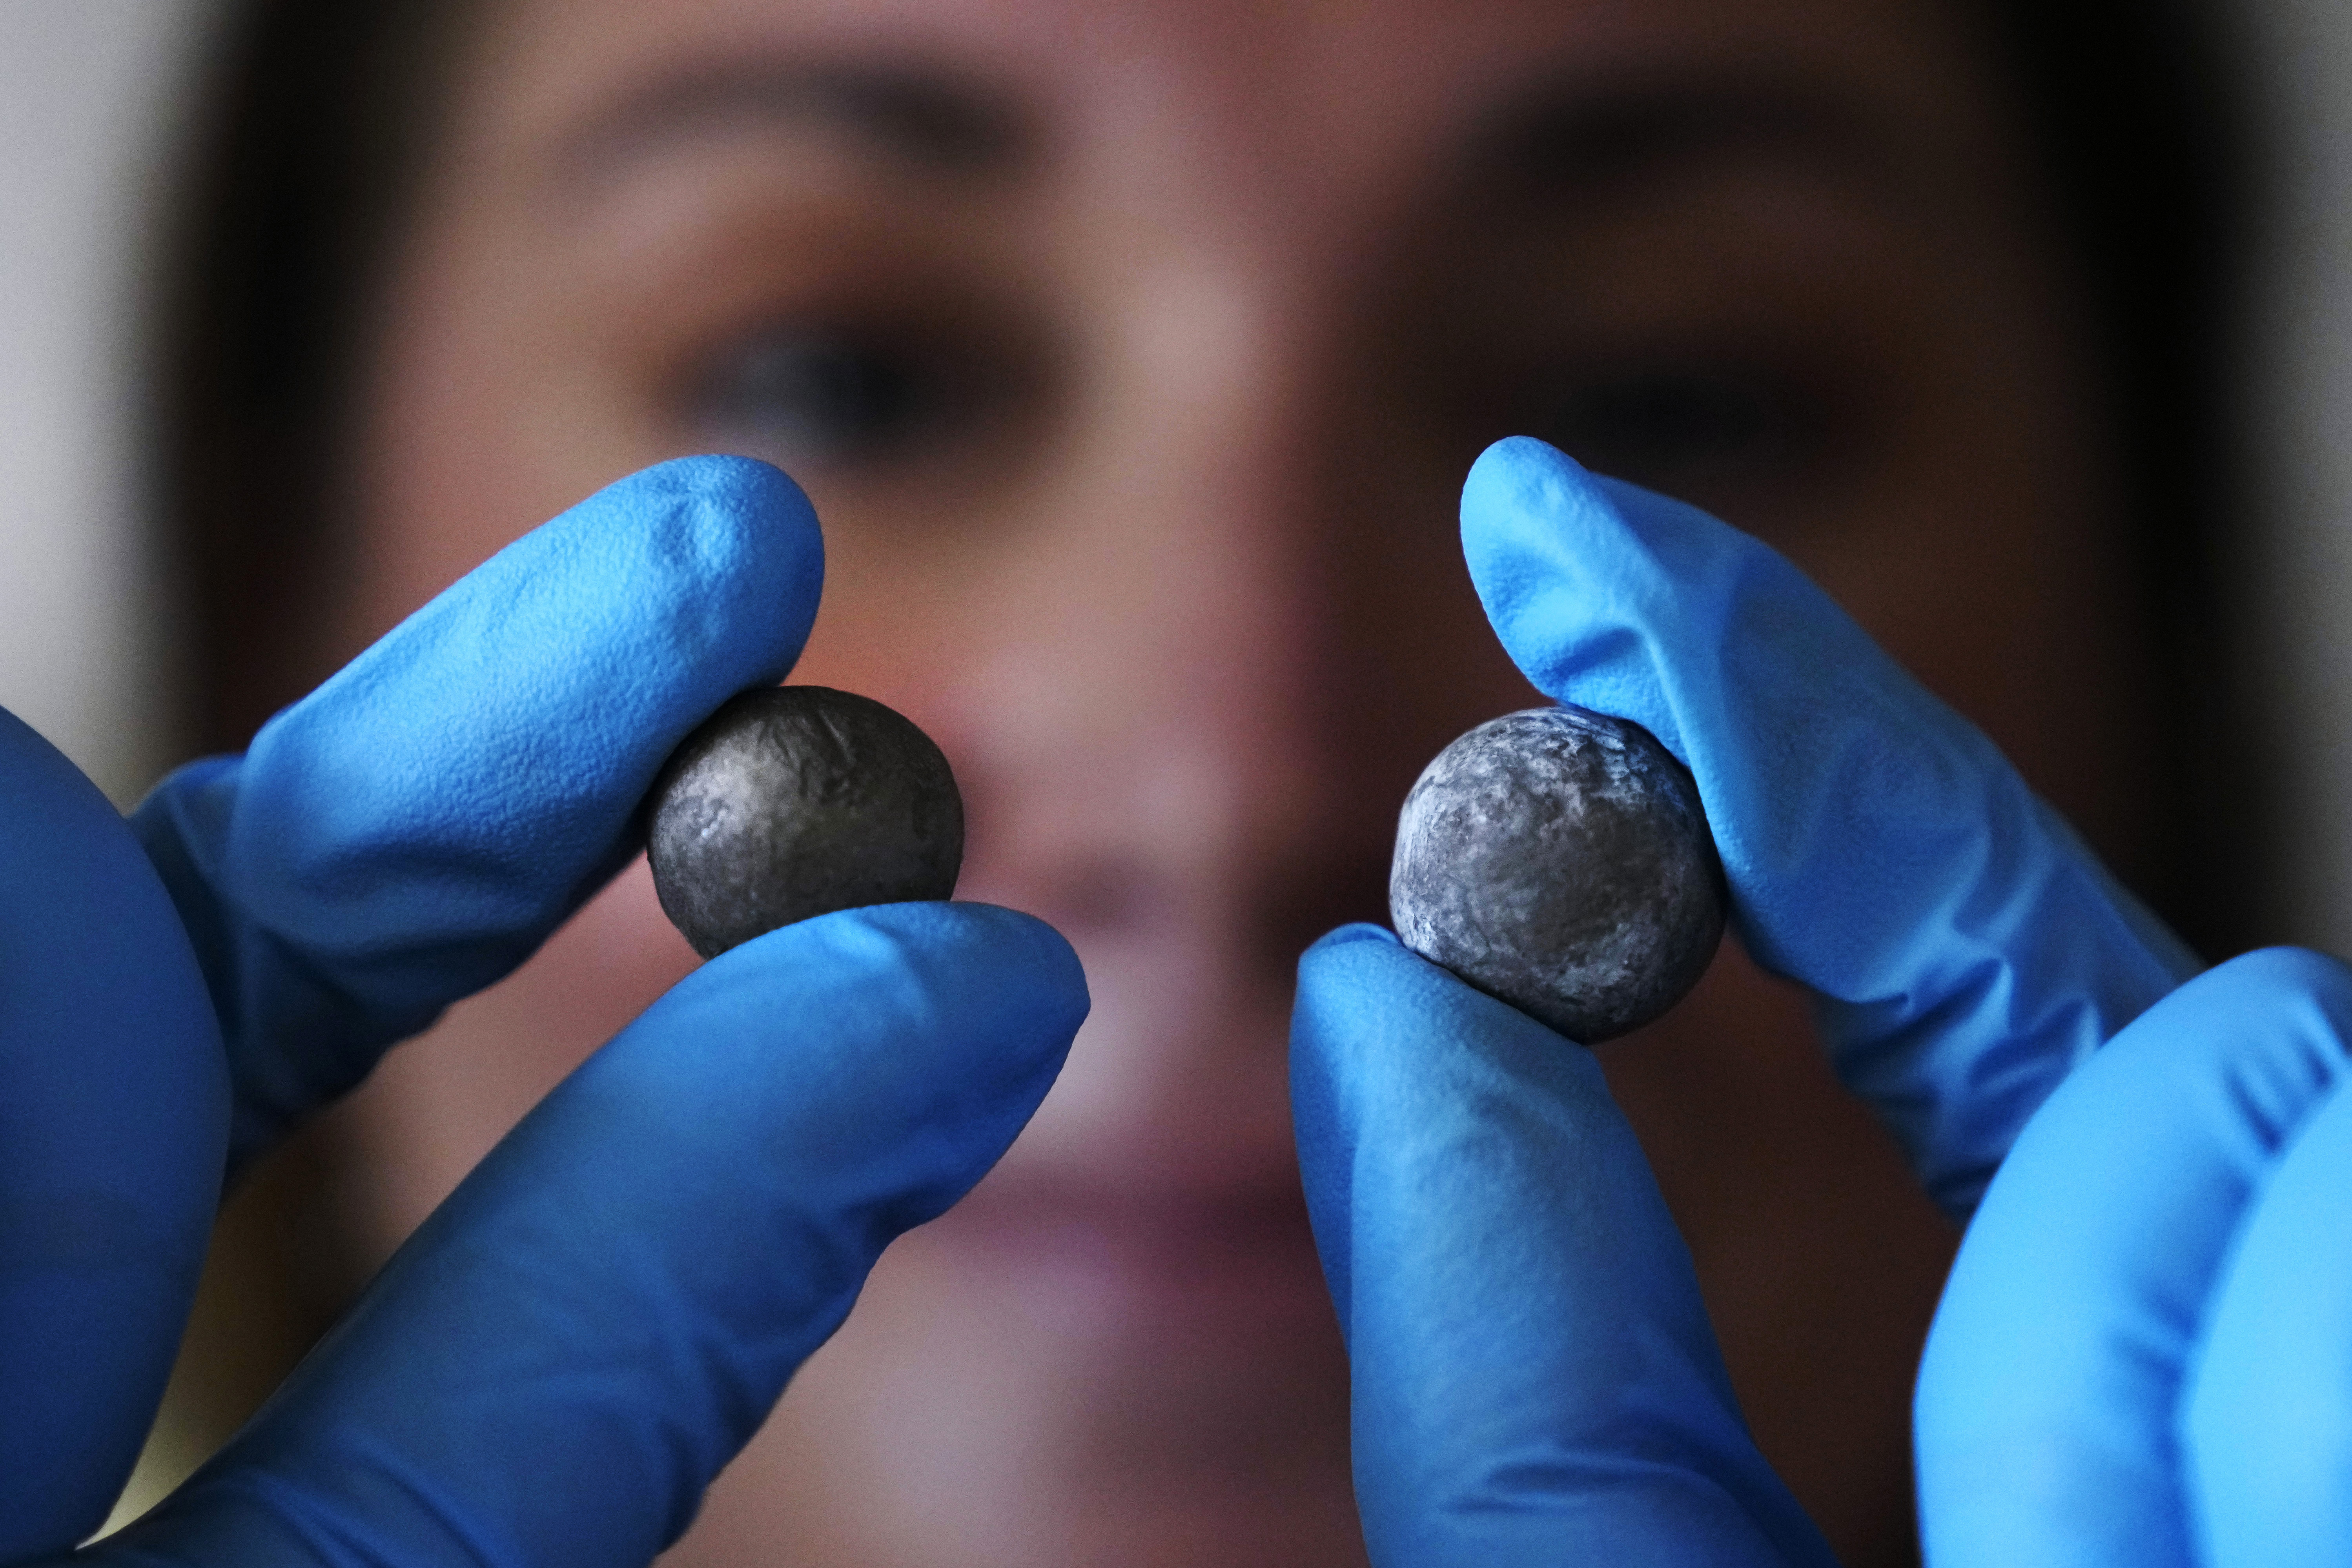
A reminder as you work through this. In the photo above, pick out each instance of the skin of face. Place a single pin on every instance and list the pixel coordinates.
(1133, 354)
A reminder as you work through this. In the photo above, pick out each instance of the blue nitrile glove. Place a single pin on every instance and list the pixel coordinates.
(1534, 1378)
(2144, 1357)
(554, 1367)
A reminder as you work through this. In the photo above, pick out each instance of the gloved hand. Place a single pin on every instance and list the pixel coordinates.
(2144, 1356)
(1533, 1378)
(556, 1365)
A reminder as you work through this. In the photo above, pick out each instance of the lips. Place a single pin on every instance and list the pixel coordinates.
(1163, 1262)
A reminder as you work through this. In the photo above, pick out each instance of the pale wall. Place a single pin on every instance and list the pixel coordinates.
(89, 90)
(2298, 532)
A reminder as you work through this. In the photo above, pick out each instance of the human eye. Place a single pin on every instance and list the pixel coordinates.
(1697, 430)
(806, 395)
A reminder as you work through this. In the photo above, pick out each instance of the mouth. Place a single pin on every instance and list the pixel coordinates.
(1164, 1262)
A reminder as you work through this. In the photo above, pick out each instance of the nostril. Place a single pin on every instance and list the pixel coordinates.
(1080, 892)
(1109, 895)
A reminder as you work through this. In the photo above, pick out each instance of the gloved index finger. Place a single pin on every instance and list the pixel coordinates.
(1966, 949)
(417, 826)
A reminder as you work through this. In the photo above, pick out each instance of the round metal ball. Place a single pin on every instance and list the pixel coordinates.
(1558, 859)
(795, 801)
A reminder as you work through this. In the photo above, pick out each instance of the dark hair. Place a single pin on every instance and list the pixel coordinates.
(2144, 131)
(323, 110)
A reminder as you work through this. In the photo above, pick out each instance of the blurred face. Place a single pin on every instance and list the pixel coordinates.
(1133, 354)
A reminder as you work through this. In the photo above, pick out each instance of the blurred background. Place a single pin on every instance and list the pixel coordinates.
(94, 95)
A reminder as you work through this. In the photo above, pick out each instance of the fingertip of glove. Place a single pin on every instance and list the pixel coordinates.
(1006, 942)
(982, 953)
(1354, 932)
(746, 536)
(1363, 982)
(1345, 967)
(2295, 970)
(739, 485)
(1520, 459)
(2282, 1004)
(1516, 477)
(853, 1032)
(614, 629)
(744, 492)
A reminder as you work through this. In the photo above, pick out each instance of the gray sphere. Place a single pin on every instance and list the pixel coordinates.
(1558, 859)
(794, 800)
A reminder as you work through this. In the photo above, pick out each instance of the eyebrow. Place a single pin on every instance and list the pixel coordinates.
(909, 116)
(1571, 138)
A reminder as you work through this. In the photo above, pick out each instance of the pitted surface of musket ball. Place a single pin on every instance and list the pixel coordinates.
(1559, 859)
(794, 800)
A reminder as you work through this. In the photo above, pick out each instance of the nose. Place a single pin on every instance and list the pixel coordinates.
(1163, 736)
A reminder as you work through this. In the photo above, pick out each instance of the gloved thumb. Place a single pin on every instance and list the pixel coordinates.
(555, 1366)
(1534, 1379)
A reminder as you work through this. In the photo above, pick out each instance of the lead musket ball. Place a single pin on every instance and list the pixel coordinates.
(795, 801)
(1559, 859)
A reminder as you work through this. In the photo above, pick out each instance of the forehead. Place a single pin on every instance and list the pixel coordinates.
(1239, 99)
